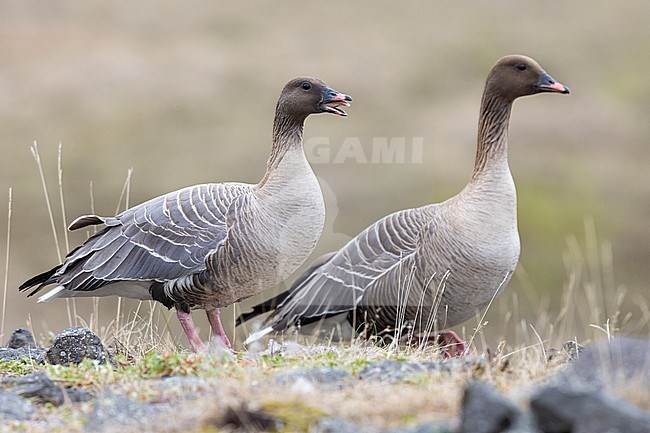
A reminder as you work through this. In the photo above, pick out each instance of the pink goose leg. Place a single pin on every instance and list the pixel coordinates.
(188, 326)
(214, 317)
(452, 345)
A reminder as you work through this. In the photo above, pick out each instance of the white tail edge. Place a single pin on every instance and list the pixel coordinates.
(257, 335)
(51, 294)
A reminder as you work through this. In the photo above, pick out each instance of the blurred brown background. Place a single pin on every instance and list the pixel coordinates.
(184, 93)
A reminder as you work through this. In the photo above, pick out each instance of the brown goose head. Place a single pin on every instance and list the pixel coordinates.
(303, 96)
(515, 76)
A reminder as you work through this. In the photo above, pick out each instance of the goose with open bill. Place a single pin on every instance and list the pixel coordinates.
(208, 246)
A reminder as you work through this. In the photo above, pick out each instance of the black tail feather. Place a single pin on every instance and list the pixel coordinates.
(263, 308)
(41, 280)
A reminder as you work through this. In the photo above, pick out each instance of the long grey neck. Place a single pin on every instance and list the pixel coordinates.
(492, 142)
(287, 136)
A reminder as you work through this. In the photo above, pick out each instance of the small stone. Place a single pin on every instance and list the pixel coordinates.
(392, 371)
(586, 411)
(36, 386)
(168, 388)
(9, 354)
(24, 353)
(487, 411)
(21, 337)
(114, 413)
(15, 408)
(333, 377)
(396, 371)
(185, 384)
(572, 350)
(452, 365)
(425, 428)
(75, 344)
(78, 395)
(569, 352)
(338, 425)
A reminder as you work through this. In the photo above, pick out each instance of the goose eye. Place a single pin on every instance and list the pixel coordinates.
(521, 67)
(306, 86)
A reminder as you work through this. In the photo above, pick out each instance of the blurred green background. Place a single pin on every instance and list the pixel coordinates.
(184, 93)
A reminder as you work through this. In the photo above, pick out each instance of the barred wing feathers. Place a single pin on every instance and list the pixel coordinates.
(163, 239)
(341, 283)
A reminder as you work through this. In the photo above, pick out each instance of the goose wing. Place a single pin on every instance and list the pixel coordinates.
(160, 240)
(339, 284)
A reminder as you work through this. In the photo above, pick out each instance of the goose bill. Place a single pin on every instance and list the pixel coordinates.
(548, 84)
(333, 107)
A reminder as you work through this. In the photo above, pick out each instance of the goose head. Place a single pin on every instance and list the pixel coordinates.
(303, 96)
(515, 76)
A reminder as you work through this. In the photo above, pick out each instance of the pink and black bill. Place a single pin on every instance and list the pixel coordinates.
(547, 83)
(332, 100)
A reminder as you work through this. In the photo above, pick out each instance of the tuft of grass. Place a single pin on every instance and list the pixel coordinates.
(91, 374)
(17, 368)
(177, 364)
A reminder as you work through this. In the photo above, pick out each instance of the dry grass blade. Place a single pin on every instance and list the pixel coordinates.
(126, 192)
(6, 278)
(37, 158)
(541, 342)
(72, 301)
(432, 319)
(482, 322)
(61, 197)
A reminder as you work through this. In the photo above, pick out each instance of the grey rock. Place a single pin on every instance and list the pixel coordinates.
(487, 411)
(114, 413)
(425, 428)
(338, 425)
(560, 410)
(397, 371)
(332, 377)
(572, 350)
(36, 386)
(526, 423)
(171, 388)
(392, 371)
(451, 365)
(78, 395)
(24, 354)
(21, 337)
(183, 383)
(619, 362)
(75, 344)
(13, 407)
(569, 352)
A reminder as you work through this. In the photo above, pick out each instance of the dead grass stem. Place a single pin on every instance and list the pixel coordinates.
(6, 277)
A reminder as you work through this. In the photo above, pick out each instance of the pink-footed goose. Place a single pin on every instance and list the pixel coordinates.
(208, 246)
(431, 267)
